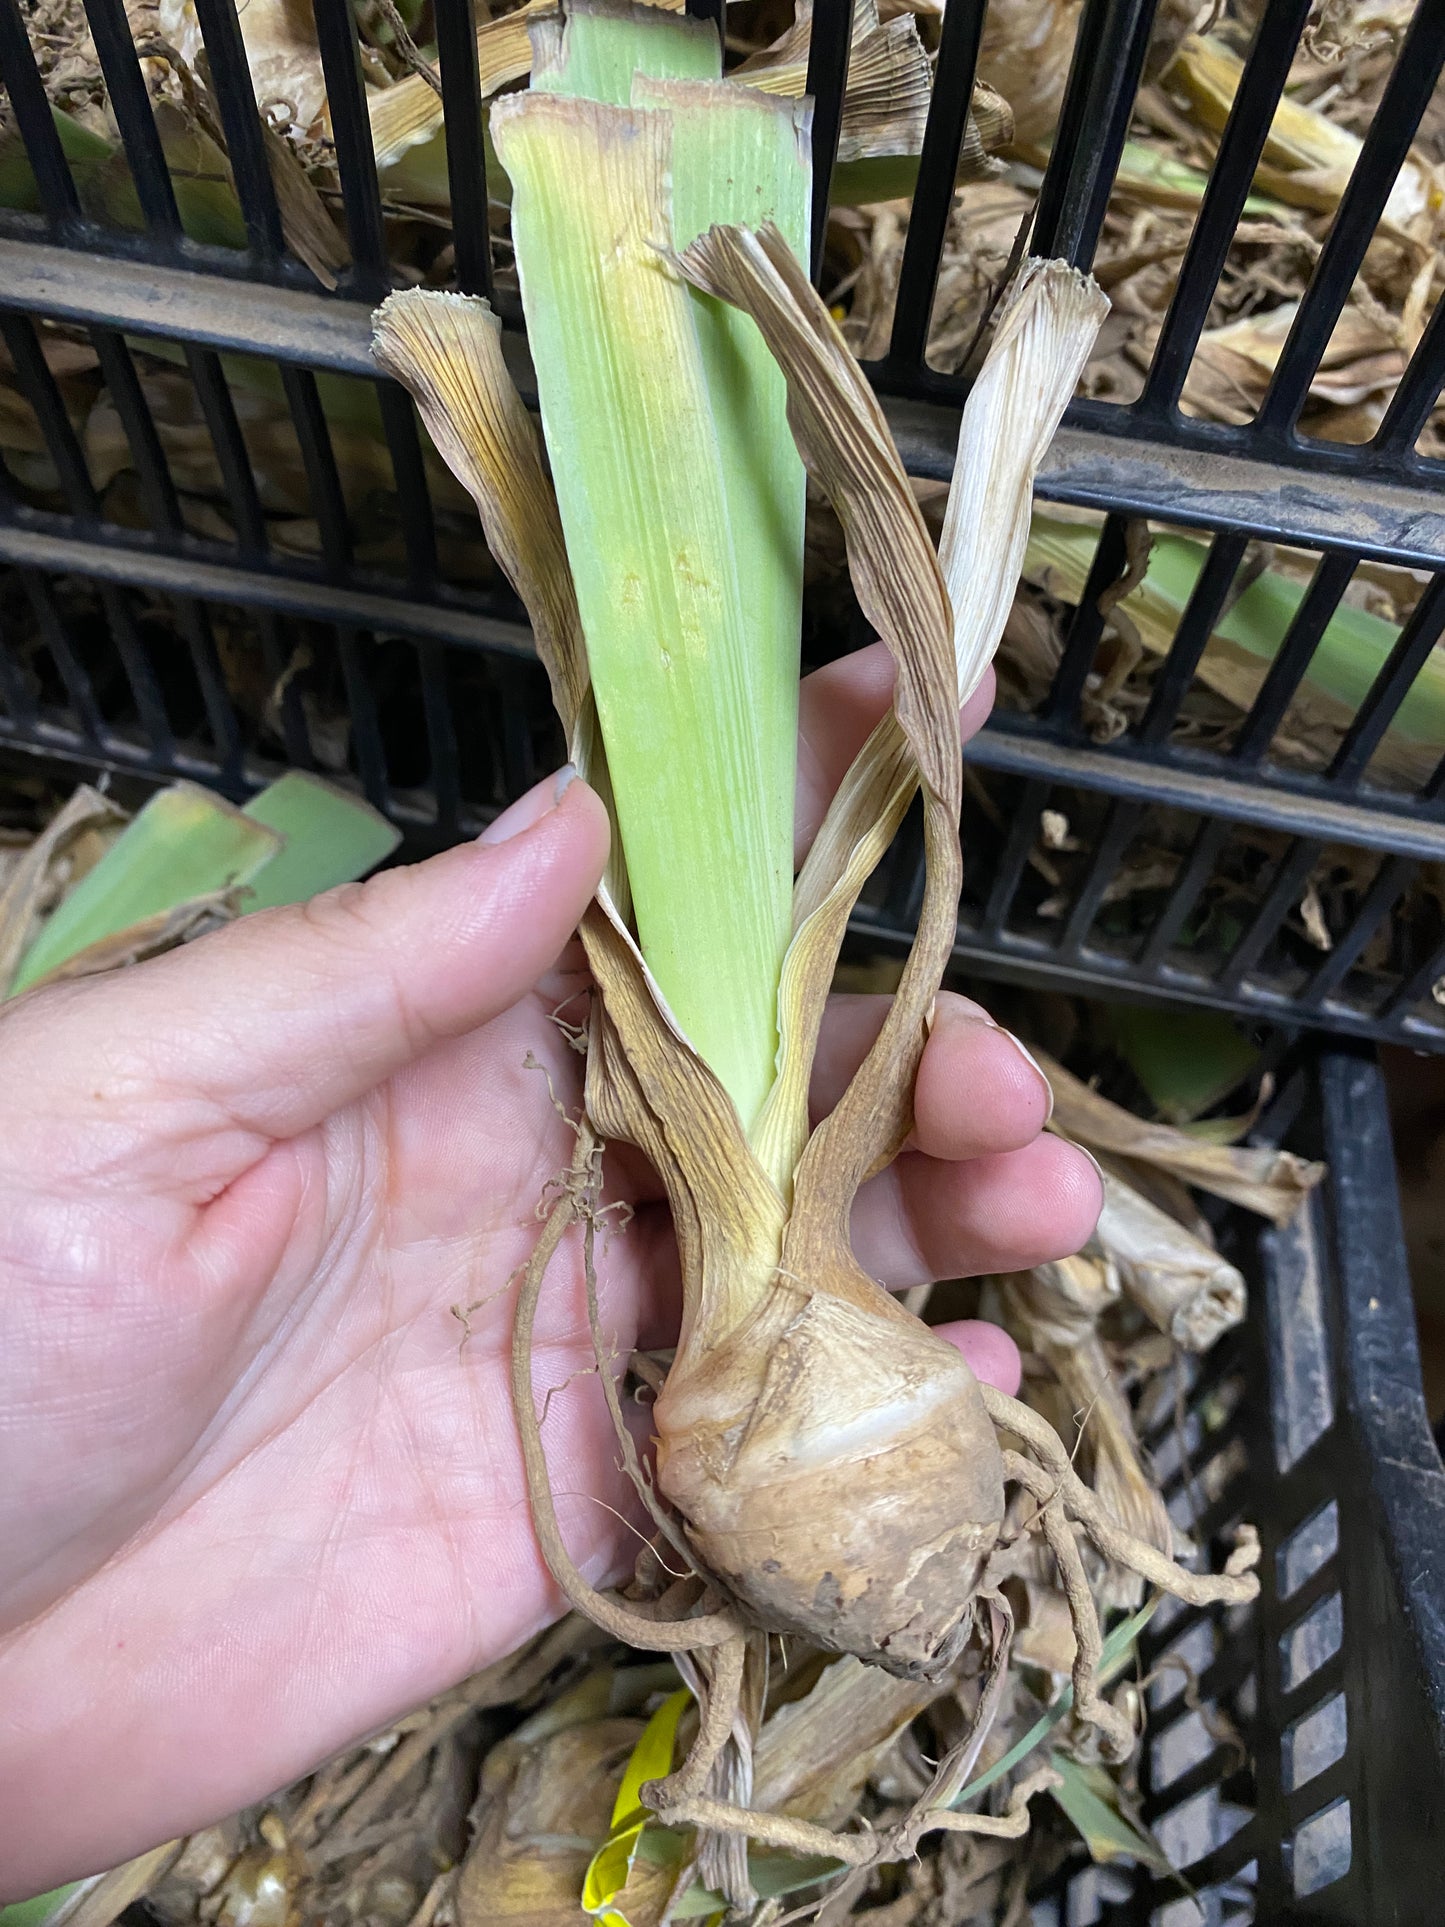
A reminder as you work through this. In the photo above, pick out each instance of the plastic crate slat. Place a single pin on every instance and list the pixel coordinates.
(78, 686)
(1195, 873)
(1241, 145)
(1387, 143)
(200, 640)
(1417, 988)
(1383, 894)
(1034, 794)
(283, 585)
(241, 121)
(130, 103)
(1289, 877)
(319, 460)
(1087, 625)
(158, 492)
(413, 498)
(1418, 391)
(456, 34)
(1113, 36)
(1389, 689)
(937, 165)
(1177, 776)
(1120, 825)
(38, 386)
(31, 107)
(1196, 626)
(140, 677)
(361, 702)
(232, 456)
(1292, 659)
(15, 694)
(336, 36)
(294, 733)
(829, 48)
(439, 710)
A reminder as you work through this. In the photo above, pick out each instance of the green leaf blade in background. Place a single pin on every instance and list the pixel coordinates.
(185, 846)
(328, 837)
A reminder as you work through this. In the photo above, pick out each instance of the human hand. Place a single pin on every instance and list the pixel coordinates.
(255, 1499)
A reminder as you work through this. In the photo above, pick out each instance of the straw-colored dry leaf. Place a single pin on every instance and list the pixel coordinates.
(33, 884)
(885, 107)
(281, 52)
(150, 937)
(1058, 1307)
(1308, 157)
(1273, 1183)
(1181, 1284)
(1025, 54)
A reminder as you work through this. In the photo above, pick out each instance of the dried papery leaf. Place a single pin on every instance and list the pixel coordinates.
(885, 107)
(1273, 1183)
(1058, 1307)
(1041, 340)
(815, 1754)
(446, 349)
(309, 230)
(1025, 54)
(281, 52)
(1182, 1285)
(1308, 157)
(33, 880)
(148, 937)
(899, 1587)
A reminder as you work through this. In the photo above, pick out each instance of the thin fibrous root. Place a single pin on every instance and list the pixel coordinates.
(1233, 1587)
(851, 1849)
(1115, 1729)
(631, 1463)
(707, 1629)
(718, 1707)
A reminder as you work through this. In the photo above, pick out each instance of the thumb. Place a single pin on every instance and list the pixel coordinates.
(279, 1019)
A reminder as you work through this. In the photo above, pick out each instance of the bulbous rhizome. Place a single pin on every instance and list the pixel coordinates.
(837, 1470)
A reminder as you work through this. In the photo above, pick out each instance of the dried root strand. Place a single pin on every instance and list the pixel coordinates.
(1116, 1731)
(717, 1709)
(864, 1849)
(1233, 1587)
(614, 1617)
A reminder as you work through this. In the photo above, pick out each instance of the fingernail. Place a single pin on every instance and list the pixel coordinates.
(1033, 1063)
(1098, 1168)
(538, 802)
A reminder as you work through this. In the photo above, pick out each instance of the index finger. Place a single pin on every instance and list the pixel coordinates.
(839, 706)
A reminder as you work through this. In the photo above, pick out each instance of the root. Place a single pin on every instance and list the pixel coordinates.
(614, 1617)
(1116, 1731)
(717, 1709)
(803, 1837)
(631, 1463)
(1233, 1587)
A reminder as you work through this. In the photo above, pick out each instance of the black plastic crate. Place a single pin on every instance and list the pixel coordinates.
(1294, 1756)
(445, 711)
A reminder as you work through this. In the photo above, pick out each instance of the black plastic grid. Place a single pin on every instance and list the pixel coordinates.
(1295, 1753)
(136, 290)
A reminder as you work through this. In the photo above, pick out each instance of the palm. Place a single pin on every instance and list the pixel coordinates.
(356, 1507)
